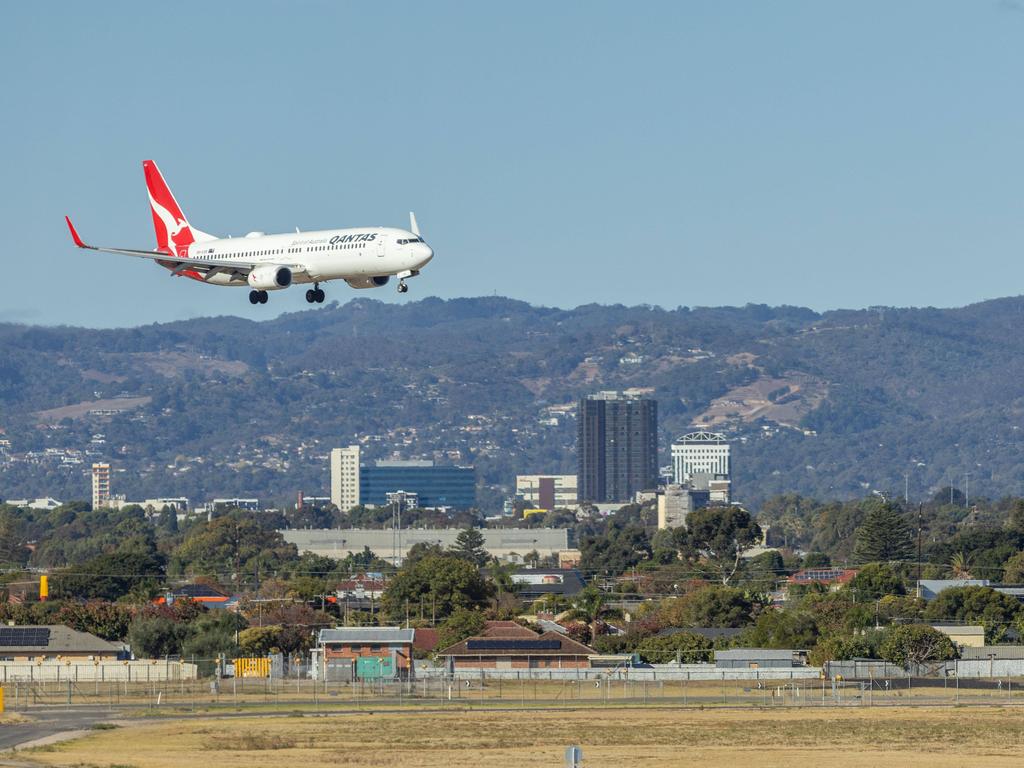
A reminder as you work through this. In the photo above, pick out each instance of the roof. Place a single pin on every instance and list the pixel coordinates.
(366, 635)
(974, 630)
(198, 591)
(996, 652)
(561, 581)
(53, 639)
(506, 629)
(548, 644)
(931, 587)
(754, 653)
(425, 639)
(710, 633)
(828, 575)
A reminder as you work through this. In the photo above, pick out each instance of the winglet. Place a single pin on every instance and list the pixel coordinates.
(413, 225)
(74, 234)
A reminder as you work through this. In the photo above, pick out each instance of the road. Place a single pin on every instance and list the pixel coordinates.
(43, 724)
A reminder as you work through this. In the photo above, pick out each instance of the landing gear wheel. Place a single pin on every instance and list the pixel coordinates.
(402, 287)
(311, 296)
(254, 297)
(319, 296)
(263, 297)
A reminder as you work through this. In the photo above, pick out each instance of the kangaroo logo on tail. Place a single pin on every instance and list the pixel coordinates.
(173, 233)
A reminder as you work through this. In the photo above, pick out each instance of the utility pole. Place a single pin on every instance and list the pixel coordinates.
(967, 490)
(906, 488)
(920, 520)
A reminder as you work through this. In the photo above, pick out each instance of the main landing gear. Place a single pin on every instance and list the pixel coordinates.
(315, 295)
(402, 287)
(258, 297)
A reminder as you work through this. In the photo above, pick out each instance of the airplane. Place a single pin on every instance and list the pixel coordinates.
(364, 257)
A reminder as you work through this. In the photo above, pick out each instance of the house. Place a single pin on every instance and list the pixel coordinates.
(538, 582)
(833, 578)
(37, 643)
(425, 639)
(506, 629)
(366, 653)
(550, 650)
(970, 636)
(203, 594)
(756, 658)
(365, 587)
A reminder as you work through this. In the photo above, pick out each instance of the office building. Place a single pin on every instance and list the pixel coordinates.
(547, 491)
(345, 491)
(700, 453)
(617, 447)
(100, 485)
(433, 486)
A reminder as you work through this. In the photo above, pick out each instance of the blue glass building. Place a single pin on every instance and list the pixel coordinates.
(436, 486)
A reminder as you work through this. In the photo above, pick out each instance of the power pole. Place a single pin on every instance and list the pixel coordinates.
(920, 519)
(967, 490)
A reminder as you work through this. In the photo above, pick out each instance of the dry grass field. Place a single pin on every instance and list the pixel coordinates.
(857, 738)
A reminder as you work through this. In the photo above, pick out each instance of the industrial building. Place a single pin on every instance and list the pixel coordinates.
(393, 544)
(617, 446)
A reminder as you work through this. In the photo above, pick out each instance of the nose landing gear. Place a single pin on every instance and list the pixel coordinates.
(258, 297)
(402, 287)
(315, 295)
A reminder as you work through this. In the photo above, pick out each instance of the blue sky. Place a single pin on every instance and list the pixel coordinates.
(679, 153)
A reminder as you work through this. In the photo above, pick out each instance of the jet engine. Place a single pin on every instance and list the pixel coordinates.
(270, 278)
(369, 282)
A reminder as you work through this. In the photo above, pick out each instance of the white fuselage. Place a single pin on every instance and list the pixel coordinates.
(354, 255)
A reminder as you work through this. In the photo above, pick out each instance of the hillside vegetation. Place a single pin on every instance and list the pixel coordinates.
(829, 405)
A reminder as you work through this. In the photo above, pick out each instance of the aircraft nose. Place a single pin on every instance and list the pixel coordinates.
(424, 253)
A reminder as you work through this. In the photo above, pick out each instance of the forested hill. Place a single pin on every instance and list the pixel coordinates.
(831, 405)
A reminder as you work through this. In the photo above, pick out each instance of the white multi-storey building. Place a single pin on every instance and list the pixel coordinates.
(700, 453)
(345, 477)
(100, 485)
(547, 491)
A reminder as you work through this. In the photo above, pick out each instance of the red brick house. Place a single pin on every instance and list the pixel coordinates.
(368, 653)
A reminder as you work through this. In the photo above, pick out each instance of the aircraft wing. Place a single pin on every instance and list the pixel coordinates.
(206, 267)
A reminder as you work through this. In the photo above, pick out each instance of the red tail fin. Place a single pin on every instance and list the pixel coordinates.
(173, 233)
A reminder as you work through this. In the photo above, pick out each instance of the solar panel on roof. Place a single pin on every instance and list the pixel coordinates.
(11, 637)
(498, 644)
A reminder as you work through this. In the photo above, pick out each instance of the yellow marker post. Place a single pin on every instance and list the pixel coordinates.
(1, 700)
(44, 588)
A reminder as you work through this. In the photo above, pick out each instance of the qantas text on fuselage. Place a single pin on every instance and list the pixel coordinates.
(364, 257)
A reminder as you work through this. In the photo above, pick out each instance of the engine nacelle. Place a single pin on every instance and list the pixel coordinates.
(369, 282)
(270, 278)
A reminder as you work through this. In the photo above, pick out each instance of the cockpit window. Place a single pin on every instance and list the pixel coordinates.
(410, 240)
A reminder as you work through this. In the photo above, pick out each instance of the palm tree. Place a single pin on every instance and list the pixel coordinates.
(960, 566)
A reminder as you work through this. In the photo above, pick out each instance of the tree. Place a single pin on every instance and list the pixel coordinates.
(154, 637)
(442, 582)
(976, 605)
(234, 544)
(838, 648)
(687, 647)
(910, 644)
(960, 566)
(103, 619)
(876, 580)
(462, 623)
(1013, 569)
(469, 545)
(113, 576)
(259, 641)
(621, 546)
(719, 536)
(782, 629)
(212, 634)
(884, 536)
(709, 606)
